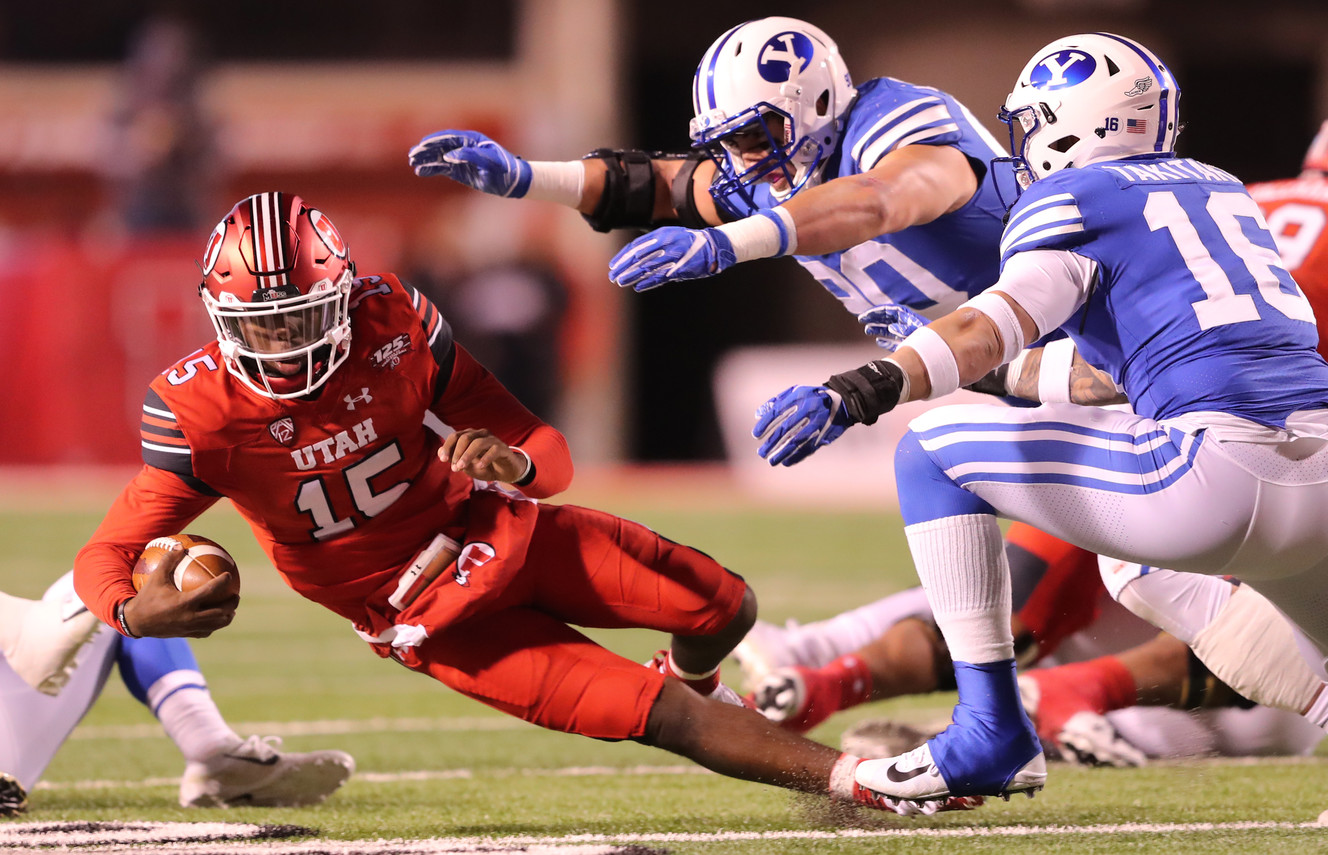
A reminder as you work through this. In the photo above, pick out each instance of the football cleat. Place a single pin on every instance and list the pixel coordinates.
(914, 776)
(43, 645)
(255, 773)
(796, 698)
(765, 648)
(13, 798)
(908, 807)
(1067, 723)
(990, 749)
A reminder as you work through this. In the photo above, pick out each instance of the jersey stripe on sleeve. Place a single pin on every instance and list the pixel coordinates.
(164, 444)
(918, 120)
(437, 330)
(1045, 218)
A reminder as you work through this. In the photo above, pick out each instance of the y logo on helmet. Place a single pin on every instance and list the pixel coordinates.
(1063, 68)
(328, 232)
(783, 56)
(213, 249)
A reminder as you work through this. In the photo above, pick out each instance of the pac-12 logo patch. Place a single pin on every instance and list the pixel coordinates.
(1063, 68)
(784, 55)
(283, 430)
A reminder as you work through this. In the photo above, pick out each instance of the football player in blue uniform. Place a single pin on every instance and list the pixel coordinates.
(55, 658)
(1162, 269)
(882, 191)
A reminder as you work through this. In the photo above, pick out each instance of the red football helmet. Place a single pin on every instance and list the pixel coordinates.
(1316, 158)
(276, 284)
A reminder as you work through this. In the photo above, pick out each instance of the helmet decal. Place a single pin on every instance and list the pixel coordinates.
(213, 249)
(1061, 69)
(784, 56)
(324, 229)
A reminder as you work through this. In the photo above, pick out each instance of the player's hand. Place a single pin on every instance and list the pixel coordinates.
(671, 254)
(797, 421)
(891, 324)
(472, 159)
(163, 611)
(483, 456)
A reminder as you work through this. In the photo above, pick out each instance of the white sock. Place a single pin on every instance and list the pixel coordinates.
(822, 642)
(185, 708)
(961, 562)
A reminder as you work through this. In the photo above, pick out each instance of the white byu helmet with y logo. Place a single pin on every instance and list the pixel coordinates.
(1086, 98)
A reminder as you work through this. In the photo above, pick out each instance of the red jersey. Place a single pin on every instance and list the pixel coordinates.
(1297, 213)
(341, 490)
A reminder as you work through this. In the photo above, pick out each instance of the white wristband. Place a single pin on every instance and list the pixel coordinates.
(994, 306)
(525, 473)
(1054, 374)
(768, 233)
(1015, 371)
(937, 358)
(560, 181)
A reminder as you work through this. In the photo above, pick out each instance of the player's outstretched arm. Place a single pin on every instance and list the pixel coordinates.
(611, 188)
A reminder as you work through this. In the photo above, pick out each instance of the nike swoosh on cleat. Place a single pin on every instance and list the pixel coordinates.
(895, 776)
(271, 761)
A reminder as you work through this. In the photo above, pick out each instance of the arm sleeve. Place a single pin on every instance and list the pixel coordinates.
(473, 398)
(154, 503)
(1049, 284)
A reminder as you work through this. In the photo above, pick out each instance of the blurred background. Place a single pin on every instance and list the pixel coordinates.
(129, 127)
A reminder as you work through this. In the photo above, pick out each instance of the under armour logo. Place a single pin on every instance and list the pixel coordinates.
(363, 398)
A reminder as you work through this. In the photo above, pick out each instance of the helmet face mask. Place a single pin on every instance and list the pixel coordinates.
(1088, 98)
(769, 98)
(276, 285)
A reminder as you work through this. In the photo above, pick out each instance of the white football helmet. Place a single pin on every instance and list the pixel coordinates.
(775, 85)
(1086, 98)
(276, 284)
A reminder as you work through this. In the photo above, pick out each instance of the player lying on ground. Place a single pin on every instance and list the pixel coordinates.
(57, 657)
(1122, 668)
(312, 413)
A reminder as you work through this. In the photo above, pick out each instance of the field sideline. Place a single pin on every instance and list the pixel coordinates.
(440, 773)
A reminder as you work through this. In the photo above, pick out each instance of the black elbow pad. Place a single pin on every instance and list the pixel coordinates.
(628, 200)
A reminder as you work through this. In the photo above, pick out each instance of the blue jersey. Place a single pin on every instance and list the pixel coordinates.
(933, 267)
(1192, 309)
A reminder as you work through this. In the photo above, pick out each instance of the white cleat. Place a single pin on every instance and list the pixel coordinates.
(914, 776)
(766, 648)
(43, 645)
(1089, 739)
(255, 773)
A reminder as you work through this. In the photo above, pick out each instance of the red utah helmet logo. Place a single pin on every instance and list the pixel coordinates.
(213, 250)
(328, 232)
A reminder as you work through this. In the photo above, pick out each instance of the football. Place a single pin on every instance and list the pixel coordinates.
(203, 560)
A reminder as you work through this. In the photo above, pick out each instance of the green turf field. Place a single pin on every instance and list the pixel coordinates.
(435, 765)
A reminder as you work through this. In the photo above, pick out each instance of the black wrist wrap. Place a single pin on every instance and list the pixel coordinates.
(869, 391)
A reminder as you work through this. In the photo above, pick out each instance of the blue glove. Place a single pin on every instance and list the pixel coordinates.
(891, 324)
(671, 254)
(472, 159)
(797, 421)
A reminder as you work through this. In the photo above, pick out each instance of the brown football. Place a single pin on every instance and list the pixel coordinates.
(203, 560)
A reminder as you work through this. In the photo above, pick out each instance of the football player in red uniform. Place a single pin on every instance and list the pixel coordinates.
(312, 413)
